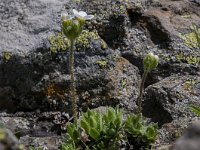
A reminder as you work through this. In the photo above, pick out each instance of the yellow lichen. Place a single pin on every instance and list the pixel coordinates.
(102, 64)
(7, 56)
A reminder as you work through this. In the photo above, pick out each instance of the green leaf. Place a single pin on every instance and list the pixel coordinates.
(195, 109)
(94, 134)
(93, 122)
(85, 126)
(75, 135)
(111, 114)
(70, 129)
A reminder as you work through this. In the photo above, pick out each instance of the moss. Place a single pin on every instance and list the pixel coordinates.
(59, 43)
(7, 56)
(102, 64)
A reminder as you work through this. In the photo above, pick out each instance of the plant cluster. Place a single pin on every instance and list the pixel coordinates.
(108, 131)
(140, 132)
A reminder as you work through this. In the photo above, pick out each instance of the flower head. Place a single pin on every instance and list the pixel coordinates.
(82, 15)
(150, 61)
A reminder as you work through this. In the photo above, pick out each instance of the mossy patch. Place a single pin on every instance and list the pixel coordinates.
(59, 43)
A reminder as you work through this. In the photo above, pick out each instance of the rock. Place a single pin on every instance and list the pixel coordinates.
(36, 129)
(157, 26)
(36, 74)
(168, 103)
(172, 98)
(190, 140)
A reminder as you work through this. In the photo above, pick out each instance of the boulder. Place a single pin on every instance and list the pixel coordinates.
(168, 103)
(190, 140)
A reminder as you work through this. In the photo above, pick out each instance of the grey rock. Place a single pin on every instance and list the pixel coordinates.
(172, 98)
(190, 139)
(168, 103)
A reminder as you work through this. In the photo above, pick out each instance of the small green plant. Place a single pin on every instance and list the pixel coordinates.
(72, 28)
(139, 132)
(150, 62)
(98, 131)
(195, 109)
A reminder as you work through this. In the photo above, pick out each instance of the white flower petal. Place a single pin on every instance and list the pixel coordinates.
(82, 13)
(89, 17)
(75, 12)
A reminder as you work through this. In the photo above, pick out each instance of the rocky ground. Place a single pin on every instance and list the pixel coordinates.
(34, 77)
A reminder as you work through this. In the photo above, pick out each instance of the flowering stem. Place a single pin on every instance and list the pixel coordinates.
(139, 99)
(72, 84)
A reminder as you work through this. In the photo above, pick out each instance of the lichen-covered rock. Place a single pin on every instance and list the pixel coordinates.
(34, 73)
(159, 26)
(168, 103)
(172, 98)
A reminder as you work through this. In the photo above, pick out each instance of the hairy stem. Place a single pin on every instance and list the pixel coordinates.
(72, 84)
(139, 99)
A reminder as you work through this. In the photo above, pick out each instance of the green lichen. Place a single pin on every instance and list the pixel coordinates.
(192, 39)
(59, 43)
(102, 64)
(7, 56)
(189, 59)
